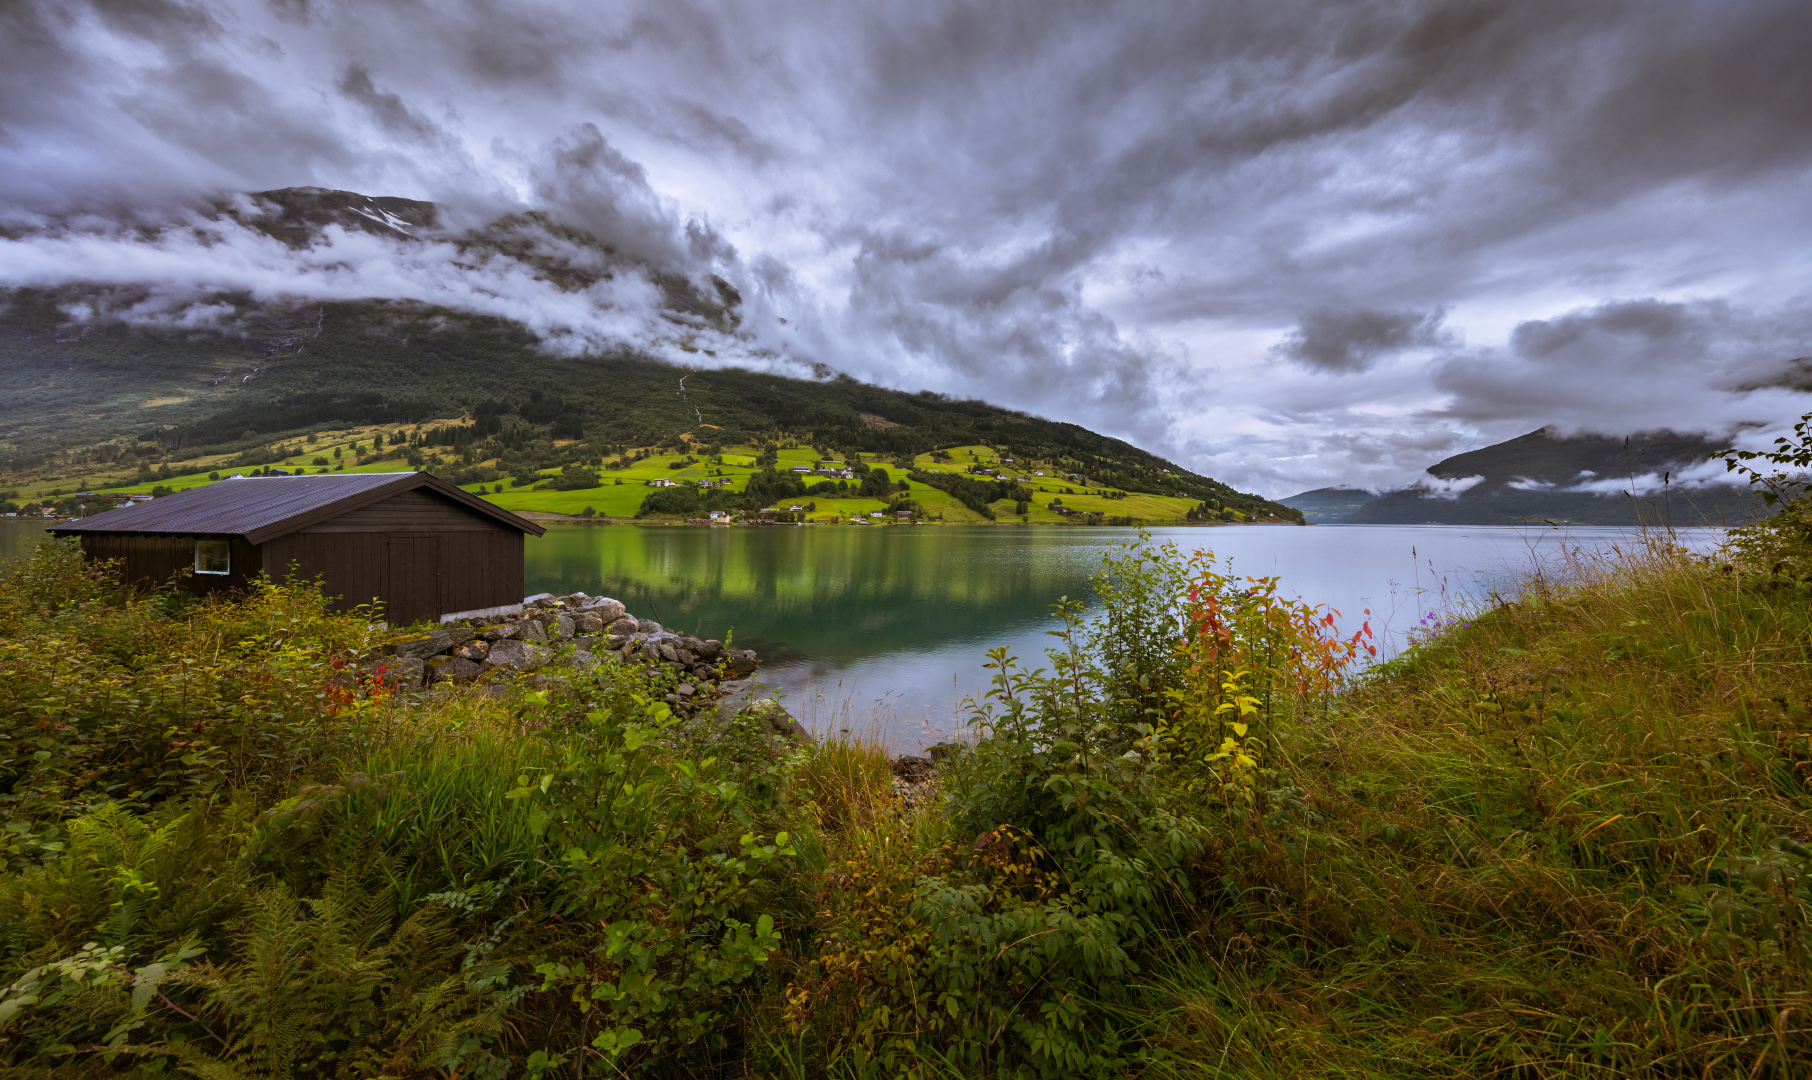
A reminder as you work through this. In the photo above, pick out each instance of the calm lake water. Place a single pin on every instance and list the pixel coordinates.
(888, 626)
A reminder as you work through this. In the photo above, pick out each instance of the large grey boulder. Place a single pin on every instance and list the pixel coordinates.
(745, 700)
(772, 717)
(474, 650)
(914, 769)
(531, 630)
(512, 653)
(500, 631)
(587, 622)
(602, 606)
(424, 646)
(737, 695)
(454, 669)
(559, 627)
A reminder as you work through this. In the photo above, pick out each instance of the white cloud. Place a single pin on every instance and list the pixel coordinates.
(1442, 487)
(1701, 475)
(183, 266)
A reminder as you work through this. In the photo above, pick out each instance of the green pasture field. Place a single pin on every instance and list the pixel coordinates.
(1052, 484)
(197, 469)
(621, 500)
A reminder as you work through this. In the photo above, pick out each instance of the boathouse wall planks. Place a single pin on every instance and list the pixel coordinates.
(415, 544)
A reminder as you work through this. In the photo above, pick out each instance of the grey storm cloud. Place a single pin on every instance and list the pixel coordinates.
(1456, 220)
(388, 109)
(1352, 339)
(1629, 365)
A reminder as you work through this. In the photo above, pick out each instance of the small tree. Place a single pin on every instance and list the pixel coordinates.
(1781, 545)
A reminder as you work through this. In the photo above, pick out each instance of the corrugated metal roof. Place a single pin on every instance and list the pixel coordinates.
(260, 508)
(236, 506)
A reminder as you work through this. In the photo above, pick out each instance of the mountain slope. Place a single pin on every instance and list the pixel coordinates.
(1324, 506)
(1655, 477)
(175, 370)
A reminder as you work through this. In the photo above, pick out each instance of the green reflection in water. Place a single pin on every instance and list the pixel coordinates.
(834, 594)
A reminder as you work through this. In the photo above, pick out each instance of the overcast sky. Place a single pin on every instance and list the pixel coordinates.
(1288, 244)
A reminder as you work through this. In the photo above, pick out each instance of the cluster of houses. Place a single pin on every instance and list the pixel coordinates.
(667, 481)
(768, 515)
(835, 470)
(117, 499)
(1056, 507)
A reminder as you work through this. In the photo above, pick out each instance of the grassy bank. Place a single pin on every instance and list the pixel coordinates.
(1563, 836)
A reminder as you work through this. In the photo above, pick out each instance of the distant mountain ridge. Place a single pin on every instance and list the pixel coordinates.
(82, 375)
(1325, 506)
(1652, 477)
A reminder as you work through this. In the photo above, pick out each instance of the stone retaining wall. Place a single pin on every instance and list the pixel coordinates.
(597, 630)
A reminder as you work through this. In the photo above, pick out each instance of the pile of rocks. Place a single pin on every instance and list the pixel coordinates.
(915, 777)
(597, 629)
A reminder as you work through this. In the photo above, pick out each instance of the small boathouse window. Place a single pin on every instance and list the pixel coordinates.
(213, 557)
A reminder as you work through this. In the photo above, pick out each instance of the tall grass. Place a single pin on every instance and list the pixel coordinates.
(1558, 839)
(1564, 835)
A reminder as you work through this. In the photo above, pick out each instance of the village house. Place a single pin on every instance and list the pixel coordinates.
(411, 542)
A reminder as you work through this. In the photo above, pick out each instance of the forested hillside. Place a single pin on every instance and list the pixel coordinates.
(110, 392)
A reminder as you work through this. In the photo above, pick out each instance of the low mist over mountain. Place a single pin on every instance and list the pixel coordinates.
(1652, 477)
(226, 266)
(575, 339)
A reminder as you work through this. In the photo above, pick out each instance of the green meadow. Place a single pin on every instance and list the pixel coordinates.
(620, 491)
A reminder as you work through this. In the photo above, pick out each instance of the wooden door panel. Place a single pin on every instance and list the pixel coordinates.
(415, 579)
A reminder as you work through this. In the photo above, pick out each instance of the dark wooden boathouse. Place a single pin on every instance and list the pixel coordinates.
(410, 541)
